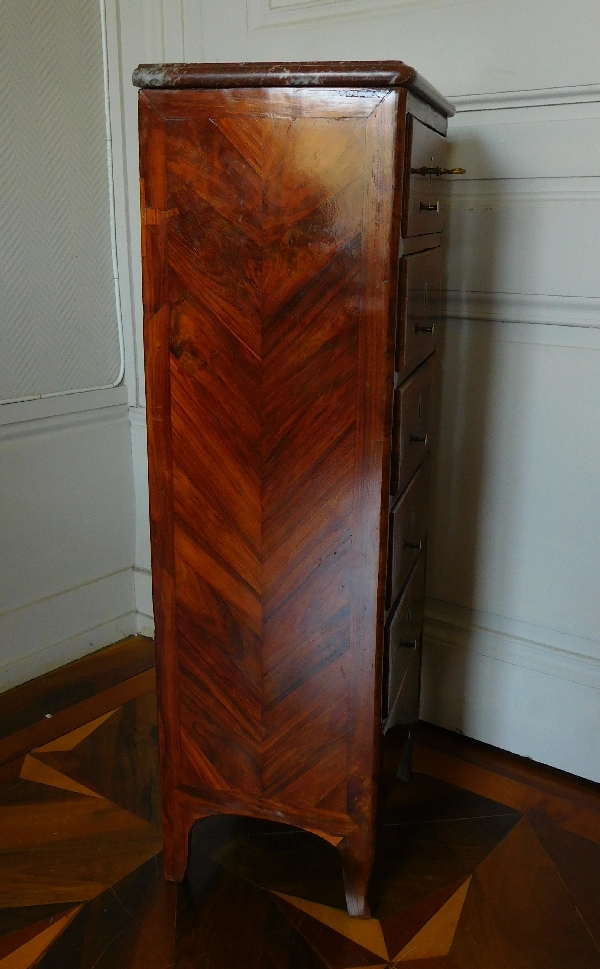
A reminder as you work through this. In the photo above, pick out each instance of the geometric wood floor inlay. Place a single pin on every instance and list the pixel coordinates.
(365, 932)
(72, 739)
(34, 770)
(500, 917)
(27, 954)
(462, 878)
(61, 840)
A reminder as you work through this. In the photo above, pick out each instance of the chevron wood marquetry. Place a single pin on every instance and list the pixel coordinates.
(243, 409)
(271, 236)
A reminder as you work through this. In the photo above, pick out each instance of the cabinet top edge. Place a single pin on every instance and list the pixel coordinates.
(323, 74)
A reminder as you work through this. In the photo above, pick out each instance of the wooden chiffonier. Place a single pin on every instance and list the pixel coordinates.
(291, 282)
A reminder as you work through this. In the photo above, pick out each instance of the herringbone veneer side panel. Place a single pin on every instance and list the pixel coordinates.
(214, 235)
(265, 283)
(307, 542)
(312, 204)
(311, 279)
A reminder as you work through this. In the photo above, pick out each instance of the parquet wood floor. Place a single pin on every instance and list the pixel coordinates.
(483, 860)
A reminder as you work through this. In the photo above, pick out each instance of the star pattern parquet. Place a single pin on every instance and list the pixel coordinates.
(461, 881)
(78, 824)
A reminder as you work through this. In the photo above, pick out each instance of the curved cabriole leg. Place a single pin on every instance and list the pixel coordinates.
(177, 826)
(175, 848)
(176, 839)
(356, 851)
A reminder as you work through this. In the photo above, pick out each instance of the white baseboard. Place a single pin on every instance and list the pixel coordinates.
(143, 601)
(566, 311)
(74, 403)
(532, 691)
(43, 635)
(59, 654)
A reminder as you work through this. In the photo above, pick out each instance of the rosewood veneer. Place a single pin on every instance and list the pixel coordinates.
(291, 280)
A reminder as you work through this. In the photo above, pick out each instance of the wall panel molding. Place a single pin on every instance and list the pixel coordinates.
(41, 426)
(66, 485)
(282, 13)
(548, 651)
(193, 30)
(529, 690)
(45, 407)
(497, 190)
(163, 26)
(62, 331)
(565, 311)
(538, 97)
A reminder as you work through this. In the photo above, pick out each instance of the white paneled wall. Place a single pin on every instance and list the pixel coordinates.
(66, 485)
(59, 319)
(66, 531)
(513, 627)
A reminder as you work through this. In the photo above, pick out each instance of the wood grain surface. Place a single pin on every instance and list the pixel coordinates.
(326, 74)
(270, 227)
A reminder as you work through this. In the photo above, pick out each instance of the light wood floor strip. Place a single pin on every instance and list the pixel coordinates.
(46, 730)
(515, 794)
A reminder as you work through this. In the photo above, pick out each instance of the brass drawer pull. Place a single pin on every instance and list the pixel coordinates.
(429, 206)
(438, 171)
(418, 440)
(425, 329)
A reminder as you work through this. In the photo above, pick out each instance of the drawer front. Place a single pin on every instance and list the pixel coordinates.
(423, 210)
(403, 653)
(419, 307)
(408, 531)
(412, 419)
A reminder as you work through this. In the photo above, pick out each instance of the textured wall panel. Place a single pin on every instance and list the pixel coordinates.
(58, 320)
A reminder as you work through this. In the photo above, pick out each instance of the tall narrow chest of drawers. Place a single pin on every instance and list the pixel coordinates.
(291, 279)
